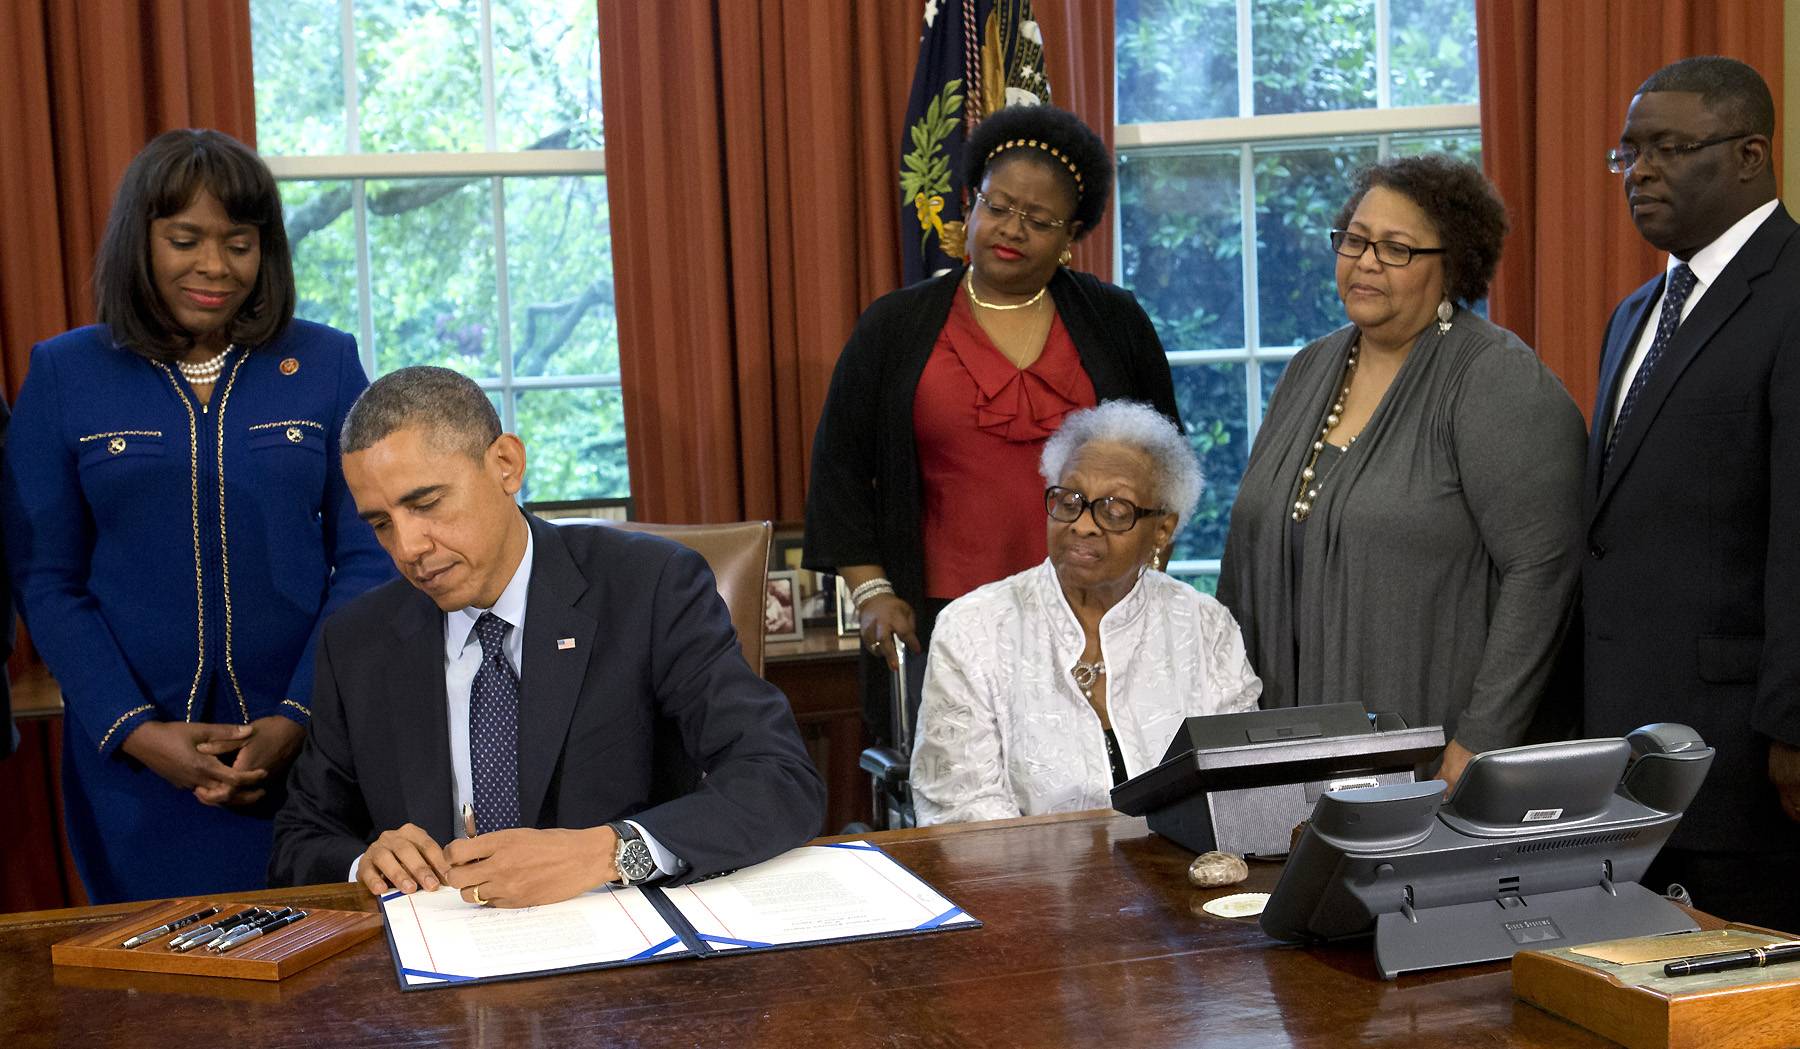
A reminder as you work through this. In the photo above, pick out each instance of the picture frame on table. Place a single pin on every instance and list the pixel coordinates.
(848, 625)
(813, 590)
(786, 552)
(781, 607)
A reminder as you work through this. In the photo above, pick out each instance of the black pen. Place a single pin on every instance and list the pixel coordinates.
(264, 918)
(163, 930)
(262, 930)
(194, 937)
(223, 942)
(1725, 961)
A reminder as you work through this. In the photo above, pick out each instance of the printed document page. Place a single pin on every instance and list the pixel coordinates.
(814, 893)
(439, 938)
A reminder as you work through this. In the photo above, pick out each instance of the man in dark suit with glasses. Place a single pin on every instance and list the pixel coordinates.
(1691, 583)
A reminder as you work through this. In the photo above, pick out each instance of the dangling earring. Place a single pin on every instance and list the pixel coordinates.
(1445, 311)
(1065, 258)
(1156, 561)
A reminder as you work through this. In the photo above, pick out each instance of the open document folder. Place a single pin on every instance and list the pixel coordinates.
(814, 894)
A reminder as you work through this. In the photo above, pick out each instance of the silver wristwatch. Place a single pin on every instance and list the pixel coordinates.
(632, 857)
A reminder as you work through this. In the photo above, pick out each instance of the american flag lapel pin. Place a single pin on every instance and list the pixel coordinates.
(564, 644)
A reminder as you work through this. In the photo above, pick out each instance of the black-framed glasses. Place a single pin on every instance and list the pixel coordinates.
(1623, 159)
(998, 213)
(1387, 252)
(1111, 514)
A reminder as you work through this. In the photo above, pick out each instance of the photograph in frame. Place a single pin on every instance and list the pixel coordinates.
(781, 607)
(847, 623)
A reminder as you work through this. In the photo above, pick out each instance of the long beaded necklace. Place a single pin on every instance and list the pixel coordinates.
(976, 299)
(207, 371)
(1310, 481)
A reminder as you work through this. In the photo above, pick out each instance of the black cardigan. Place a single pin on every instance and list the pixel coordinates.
(863, 501)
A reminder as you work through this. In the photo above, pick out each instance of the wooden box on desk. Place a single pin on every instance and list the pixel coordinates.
(280, 954)
(1637, 1006)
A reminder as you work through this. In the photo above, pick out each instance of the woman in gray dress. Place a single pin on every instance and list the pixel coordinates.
(1407, 532)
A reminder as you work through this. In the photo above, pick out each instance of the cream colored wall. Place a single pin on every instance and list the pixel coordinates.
(1790, 75)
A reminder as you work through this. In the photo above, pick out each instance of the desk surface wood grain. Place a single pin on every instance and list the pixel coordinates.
(1092, 937)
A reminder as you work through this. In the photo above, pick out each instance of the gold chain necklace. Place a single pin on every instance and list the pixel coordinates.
(976, 299)
(1309, 491)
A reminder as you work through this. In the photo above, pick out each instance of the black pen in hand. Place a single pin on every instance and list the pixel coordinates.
(1725, 961)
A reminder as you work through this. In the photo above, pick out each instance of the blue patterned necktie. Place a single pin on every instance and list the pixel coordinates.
(1681, 281)
(494, 730)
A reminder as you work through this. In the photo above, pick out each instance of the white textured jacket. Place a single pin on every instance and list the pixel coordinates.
(1003, 731)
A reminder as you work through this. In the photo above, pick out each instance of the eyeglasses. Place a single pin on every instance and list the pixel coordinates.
(998, 213)
(1619, 161)
(1111, 514)
(1387, 252)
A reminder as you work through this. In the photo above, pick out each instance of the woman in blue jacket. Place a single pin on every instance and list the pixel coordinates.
(178, 527)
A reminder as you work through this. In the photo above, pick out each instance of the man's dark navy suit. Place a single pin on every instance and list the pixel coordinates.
(1691, 583)
(653, 688)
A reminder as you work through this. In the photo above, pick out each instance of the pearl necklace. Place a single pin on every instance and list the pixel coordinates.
(1308, 489)
(207, 371)
(976, 299)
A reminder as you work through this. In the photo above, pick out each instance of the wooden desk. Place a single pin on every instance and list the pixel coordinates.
(818, 675)
(1092, 938)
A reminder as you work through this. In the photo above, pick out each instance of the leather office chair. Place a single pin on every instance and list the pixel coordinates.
(737, 553)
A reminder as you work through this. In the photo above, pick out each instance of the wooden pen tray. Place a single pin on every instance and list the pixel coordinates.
(282, 953)
(1637, 1006)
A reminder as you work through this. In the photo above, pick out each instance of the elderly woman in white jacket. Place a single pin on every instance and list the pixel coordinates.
(1045, 689)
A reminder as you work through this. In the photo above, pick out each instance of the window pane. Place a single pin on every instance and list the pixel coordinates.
(1299, 191)
(575, 444)
(1432, 58)
(1313, 55)
(322, 241)
(1180, 241)
(418, 65)
(1205, 582)
(431, 261)
(547, 74)
(1463, 145)
(297, 49)
(1177, 59)
(559, 277)
(1212, 402)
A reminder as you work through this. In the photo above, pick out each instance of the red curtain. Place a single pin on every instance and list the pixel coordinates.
(89, 84)
(85, 86)
(1555, 80)
(751, 160)
(1078, 57)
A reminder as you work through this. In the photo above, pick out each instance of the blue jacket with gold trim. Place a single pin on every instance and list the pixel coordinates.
(174, 560)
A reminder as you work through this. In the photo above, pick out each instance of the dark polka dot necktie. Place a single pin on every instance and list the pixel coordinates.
(494, 730)
(1681, 281)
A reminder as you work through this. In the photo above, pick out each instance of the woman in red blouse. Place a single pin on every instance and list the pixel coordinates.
(924, 474)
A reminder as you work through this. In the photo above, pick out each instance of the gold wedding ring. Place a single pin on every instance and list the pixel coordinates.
(479, 902)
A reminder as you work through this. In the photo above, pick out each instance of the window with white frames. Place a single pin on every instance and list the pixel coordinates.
(1239, 125)
(444, 185)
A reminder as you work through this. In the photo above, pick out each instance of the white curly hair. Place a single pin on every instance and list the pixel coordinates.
(1134, 425)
